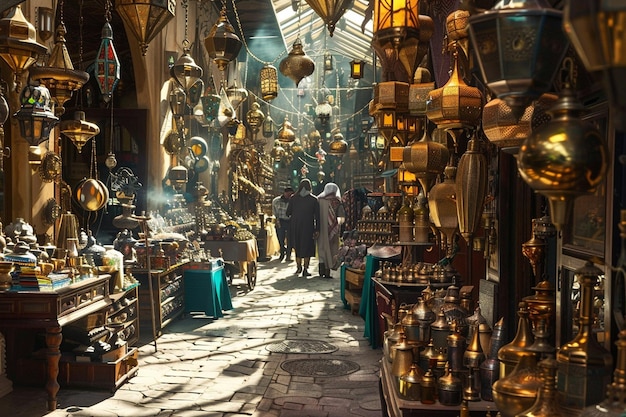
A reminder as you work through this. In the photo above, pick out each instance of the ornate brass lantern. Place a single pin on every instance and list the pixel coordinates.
(356, 69)
(565, 158)
(18, 42)
(596, 30)
(471, 189)
(330, 11)
(186, 71)
(426, 159)
(269, 82)
(286, 133)
(297, 64)
(59, 74)
(222, 44)
(400, 34)
(442, 206)
(338, 146)
(145, 18)
(519, 46)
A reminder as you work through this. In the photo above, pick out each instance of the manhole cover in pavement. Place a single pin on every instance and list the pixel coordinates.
(301, 346)
(319, 367)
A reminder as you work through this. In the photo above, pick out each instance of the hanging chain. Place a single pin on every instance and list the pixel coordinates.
(186, 42)
(81, 21)
(111, 133)
(61, 7)
(107, 11)
(245, 43)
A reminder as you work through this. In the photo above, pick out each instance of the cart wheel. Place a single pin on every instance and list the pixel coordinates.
(229, 274)
(251, 275)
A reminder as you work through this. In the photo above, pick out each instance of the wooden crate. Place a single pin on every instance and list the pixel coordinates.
(353, 297)
(355, 277)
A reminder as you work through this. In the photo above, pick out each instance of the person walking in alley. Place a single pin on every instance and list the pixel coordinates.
(304, 211)
(279, 210)
(332, 215)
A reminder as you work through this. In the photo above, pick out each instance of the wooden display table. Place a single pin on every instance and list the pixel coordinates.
(50, 310)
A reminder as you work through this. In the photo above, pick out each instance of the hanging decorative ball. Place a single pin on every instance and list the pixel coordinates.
(565, 158)
(297, 64)
(172, 142)
(111, 161)
(92, 194)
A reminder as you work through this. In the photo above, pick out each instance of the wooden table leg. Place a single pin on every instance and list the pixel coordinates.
(53, 354)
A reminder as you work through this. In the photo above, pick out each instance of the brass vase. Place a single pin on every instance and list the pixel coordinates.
(511, 353)
(585, 366)
(490, 368)
(5, 275)
(516, 392)
(450, 389)
(545, 405)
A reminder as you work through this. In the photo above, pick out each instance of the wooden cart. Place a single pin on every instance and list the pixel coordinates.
(239, 257)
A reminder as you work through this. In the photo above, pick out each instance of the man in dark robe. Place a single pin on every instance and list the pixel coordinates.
(304, 211)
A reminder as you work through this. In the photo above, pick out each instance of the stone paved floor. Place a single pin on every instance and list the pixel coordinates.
(222, 368)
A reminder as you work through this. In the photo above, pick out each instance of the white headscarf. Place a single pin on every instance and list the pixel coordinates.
(330, 189)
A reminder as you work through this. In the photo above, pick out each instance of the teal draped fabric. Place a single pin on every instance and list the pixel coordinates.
(368, 309)
(207, 291)
(342, 282)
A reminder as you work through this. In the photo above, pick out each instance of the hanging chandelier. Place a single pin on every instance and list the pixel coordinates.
(145, 18)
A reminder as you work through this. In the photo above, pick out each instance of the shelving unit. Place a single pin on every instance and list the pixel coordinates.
(167, 294)
(123, 315)
(354, 288)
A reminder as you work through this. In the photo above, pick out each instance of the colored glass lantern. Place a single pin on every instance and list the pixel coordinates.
(107, 64)
(35, 117)
(145, 18)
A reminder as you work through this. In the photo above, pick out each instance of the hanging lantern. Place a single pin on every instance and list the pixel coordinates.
(286, 133)
(356, 69)
(59, 74)
(269, 82)
(210, 106)
(277, 151)
(426, 159)
(92, 194)
(186, 71)
(79, 130)
(455, 105)
(596, 31)
(35, 117)
(297, 64)
(268, 126)
(338, 146)
(178, 177)
(442, 207)
(419, 92)
(323, 111)
(328, 62)
(471, 189)
(107, 64)
(400, 34)
(565, 158)
(18, 43)
(45, 22)
(519, 46)
(145, 18)
(236, 95)
(457, 29)
(222, 43)
(502, 127)
(330, 11)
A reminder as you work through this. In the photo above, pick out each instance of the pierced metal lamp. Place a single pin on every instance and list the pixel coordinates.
(222, 44)
(145, 18)
(269, 82)
(297, 64)
(519, 45)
